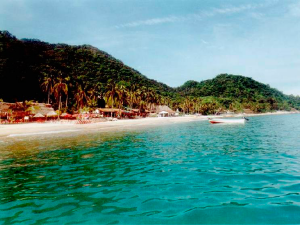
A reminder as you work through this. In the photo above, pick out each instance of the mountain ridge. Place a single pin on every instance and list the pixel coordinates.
(26, 64)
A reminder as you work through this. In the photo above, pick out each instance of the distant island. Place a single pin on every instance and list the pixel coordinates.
(71, 78)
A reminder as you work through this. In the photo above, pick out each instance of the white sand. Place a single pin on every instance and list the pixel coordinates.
(34, 129)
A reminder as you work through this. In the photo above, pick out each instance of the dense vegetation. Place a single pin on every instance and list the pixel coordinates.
(72, 78)
(238, 93)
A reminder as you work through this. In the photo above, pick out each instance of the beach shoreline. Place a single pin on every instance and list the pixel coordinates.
(62, 127)
(35, 129)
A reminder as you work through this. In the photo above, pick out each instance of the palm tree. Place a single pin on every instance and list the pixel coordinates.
(189, 104)
(67, 95)
(141, 97)
(81, 97)
(111, 93)
(132, 95)
(197, 104)
(60, 88)
(151, 98)
(94, 92)
(121, 92)
(47, 86)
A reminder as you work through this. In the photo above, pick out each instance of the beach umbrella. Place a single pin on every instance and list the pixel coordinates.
(38, 115)
(51, 113)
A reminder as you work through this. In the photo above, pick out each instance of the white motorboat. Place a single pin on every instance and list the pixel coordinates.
(229, 121)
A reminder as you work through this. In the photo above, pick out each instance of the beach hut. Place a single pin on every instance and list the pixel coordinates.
(66, 116)
(164, 108)
(51, 115)
(110, 112)
(39, 117)
(163, 114)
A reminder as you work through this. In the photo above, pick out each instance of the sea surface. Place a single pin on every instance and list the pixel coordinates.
(188, 173)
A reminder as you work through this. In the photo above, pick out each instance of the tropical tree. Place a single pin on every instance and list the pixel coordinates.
(210, 105)
(111, 92)
(151, 98)
(67, 79)
(59, 88)
(121, 90)
(187, 104)
(132, 95)
(197, 105)
(81, 97)
(111, 95)
(141, 98)
(47, 86)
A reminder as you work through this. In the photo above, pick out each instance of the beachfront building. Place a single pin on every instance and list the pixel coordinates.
(164, 111)
(140, 112)
(22, 112)
(119, 113)
(110, 112)
(163, 114)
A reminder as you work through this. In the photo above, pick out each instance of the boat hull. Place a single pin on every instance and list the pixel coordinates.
(227, 121)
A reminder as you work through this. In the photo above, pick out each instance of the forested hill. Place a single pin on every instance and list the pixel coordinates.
(230, 86)
(24, 64)
(72, 77)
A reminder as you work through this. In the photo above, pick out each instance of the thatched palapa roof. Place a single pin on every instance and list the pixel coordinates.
(161, 108)
(20, 107)
(109, 110)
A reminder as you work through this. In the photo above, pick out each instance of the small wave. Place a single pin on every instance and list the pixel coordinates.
(41, 133)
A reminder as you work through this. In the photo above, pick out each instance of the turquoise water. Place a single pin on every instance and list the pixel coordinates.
(188, 173)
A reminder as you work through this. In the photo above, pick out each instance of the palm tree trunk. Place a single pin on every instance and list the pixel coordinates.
(59, 103)
(119, 115)
(131, 102)
(112, 106)
(67, 101)
(59, 106)
(48, 95)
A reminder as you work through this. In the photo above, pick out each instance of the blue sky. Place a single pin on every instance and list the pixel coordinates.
(173, 41)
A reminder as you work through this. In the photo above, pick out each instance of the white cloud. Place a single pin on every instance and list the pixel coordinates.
(198, 16)
(154, 21)
(204, 42)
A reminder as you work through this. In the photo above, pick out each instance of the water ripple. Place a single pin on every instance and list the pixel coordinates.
(182, 173)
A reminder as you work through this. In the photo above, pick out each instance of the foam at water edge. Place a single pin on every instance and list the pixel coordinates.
(40, 133)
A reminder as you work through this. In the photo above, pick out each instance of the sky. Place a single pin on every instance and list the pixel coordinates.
(173, 41)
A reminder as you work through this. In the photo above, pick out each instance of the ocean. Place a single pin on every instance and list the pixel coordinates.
(187, 173)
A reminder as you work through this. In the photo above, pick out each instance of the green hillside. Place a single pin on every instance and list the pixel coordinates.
(238, 92)
(230, 86)
(72, 77)
(26, 64)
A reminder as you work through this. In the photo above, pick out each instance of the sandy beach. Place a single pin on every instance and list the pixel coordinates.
(48, 128)
(8, 131)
